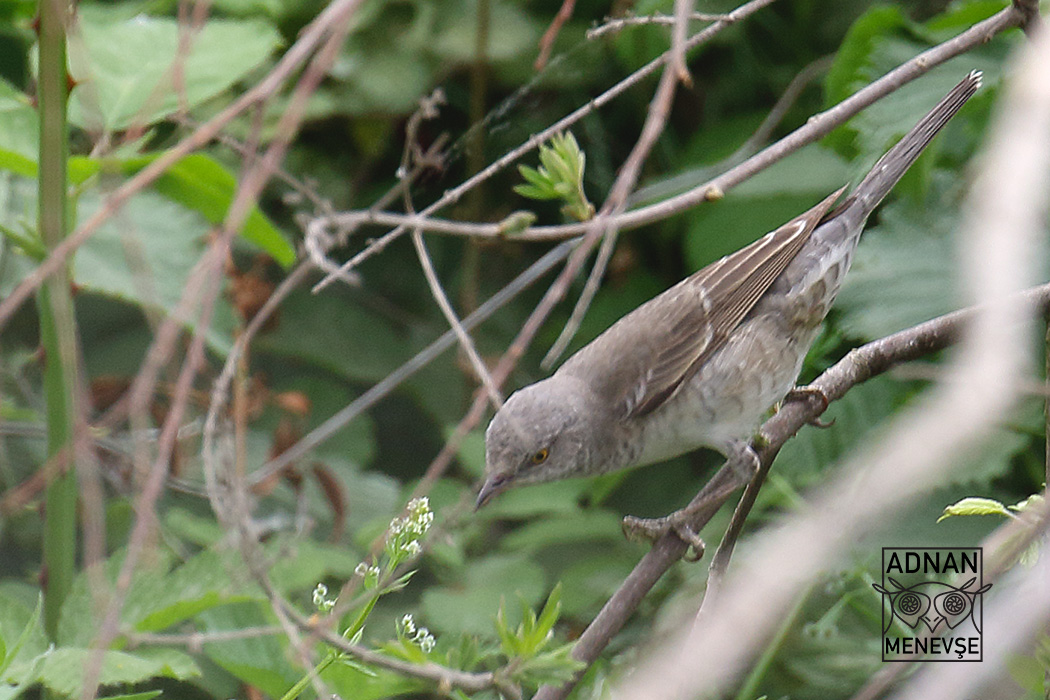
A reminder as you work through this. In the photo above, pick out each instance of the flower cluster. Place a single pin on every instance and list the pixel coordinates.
(421, 636)
(369, 573)
(321, 600)
(406, 532)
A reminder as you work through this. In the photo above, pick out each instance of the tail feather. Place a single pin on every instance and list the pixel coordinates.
(892, 166)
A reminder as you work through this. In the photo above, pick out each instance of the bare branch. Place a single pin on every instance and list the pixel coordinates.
(453, 195)
(614, 25)
(818, 126)
(1006, 212)
(464, 338)
(858, 366)
(311, 37)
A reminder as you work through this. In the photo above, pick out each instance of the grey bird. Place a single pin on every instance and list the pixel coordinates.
(702, 363)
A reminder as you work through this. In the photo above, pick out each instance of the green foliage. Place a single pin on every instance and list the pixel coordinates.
(560, 176)
(528, 647)
(126, 60)
(470, 594)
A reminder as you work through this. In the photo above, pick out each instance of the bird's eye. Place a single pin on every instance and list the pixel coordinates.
(541, 456)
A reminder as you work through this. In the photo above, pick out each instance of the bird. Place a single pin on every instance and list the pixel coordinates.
(702, 363)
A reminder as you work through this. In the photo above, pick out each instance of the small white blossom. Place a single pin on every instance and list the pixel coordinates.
(321, 600)
(413, 549)
(408, 625)
(424, 639)
(361, 570)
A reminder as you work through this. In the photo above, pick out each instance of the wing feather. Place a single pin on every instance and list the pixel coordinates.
(718, 297)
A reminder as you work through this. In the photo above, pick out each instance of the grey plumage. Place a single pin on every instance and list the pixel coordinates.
(699, 364)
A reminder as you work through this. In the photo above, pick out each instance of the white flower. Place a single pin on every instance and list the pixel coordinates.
(408, 625)
(321, 600)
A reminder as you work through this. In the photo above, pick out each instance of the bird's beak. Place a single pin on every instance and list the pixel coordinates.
(493, 485)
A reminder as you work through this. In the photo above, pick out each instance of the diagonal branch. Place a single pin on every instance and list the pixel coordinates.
(858, 366)
(816, 127)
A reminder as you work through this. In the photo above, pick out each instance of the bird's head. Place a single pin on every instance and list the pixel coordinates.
(545, 431)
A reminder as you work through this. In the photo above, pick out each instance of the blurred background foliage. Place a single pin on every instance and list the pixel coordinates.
(324, 350)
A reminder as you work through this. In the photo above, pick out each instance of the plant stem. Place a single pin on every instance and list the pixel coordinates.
(57, 329)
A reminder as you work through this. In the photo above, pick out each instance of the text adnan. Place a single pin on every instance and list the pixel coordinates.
(933, 562)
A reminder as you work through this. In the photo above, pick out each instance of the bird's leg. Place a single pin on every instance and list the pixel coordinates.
(652, 529)
(744, 463)
(806, 393)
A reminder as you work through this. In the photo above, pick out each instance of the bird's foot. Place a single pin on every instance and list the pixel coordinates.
(652, 529)
(809, 393)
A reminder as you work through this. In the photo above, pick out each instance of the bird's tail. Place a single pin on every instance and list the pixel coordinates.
(892, 166)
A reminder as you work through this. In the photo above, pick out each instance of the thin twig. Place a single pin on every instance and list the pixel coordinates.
(614, 25)
(250, 186)
(759, 138)
(683, 9)
(366, 400)
(465, 341)
(547, 40)
(428, 109)
(816, 127)
(453, 195)
(310, 38)
(626, 179)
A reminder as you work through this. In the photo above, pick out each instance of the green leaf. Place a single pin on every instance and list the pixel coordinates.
(763, 203)
(148, 695)
(259, 661)
(28, 242)
(349, 679)
(849, 69)
(19, 131)
(62, 670)
(338, 334)
(593, 525)
(804, 460)
(145, 255)
(1033, 501)
(300, 563)
(549, 615)
(31, 627)
(904, 271)
(202, 184)
(123, 65)
(879, 41)
(201, 583)
(974, 506)
(468, 604)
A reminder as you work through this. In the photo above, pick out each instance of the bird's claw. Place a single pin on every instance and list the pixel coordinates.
(806, 393)
(652, 529)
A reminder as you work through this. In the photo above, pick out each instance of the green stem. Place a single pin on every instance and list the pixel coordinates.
(57, 329)
(301, 684)
(750, 687)
(362, 617)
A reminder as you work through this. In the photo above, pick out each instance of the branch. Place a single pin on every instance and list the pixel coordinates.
(453, 195)
(1005, 218)
(816, 127)
(856, 367)
(615, 25)
(312, 37)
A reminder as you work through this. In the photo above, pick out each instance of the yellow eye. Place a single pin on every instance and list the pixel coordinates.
(541, 456)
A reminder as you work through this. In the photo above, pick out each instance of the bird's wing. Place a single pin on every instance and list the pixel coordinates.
(703, 309)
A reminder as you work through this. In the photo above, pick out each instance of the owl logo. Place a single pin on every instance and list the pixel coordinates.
(932, 603)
